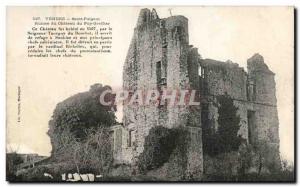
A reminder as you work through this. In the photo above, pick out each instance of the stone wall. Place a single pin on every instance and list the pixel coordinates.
(157, 59)
(253, 94)
(222, 78)
(160, 57)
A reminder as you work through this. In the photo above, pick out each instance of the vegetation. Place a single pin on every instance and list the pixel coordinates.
(94, 154)
(225, 139)
(158, 147)
(79, 134)
(78, 114)
(228, 125)
(284, 174)
(12, 161)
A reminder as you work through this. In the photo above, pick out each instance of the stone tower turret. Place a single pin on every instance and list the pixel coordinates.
(157, 59)
(262, 92)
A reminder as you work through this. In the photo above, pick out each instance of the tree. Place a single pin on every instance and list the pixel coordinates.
(228, 125)
(79, 131)
(225, 138)
(78, 113)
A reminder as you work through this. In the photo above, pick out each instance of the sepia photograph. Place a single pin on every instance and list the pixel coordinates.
(150, 94)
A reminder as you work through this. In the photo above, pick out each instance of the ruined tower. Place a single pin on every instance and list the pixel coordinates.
(160, 57)
(262, 111)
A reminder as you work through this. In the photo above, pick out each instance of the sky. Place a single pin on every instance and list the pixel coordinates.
(220, 33)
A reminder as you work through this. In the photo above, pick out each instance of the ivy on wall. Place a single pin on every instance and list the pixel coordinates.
(225, 139)
(159, 145)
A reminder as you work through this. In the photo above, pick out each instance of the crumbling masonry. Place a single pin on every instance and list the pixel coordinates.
(160, 57)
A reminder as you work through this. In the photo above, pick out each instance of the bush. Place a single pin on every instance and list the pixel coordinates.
(12, 162)
(229, 125)
(225, 139)
(91, 155)
(36, 174)
(158, 147)
(81, 112)
(243, 165)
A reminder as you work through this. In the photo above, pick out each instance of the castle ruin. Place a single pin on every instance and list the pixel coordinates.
(159, 57)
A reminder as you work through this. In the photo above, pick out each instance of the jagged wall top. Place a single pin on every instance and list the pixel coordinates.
(146, 16)
(170, 23)
(256, 63)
